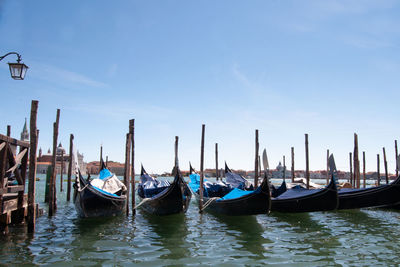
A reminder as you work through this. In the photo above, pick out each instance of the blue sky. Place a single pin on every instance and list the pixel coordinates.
(326, 68)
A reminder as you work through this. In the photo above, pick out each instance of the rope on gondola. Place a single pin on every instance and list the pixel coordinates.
(80, 190)
(142, 202)
(211, 200)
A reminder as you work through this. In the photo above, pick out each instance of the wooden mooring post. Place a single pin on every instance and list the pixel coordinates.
(327, 166)
(52, 189)
(101, 155)
(132, 133)
(385, 166)
(71, 149)
(292, 152)
(256, 161)
(364, 174)
(307, 163)
(127, 169)
(395, 158)
(34, 137)
(201, 169)
(356, 163)
(284, 168)
(176, 163)
(216, 162)
(61, 171)
(378, 174)
(351, 169)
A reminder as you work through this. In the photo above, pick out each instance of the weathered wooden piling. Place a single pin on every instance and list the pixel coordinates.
(8, 130)
(61, 171)
(34, 136)
(256, 162)
(284, 168)
(364, 174)
(176, 164)
(396, 155)
(351, 169)
(49, 173)
(101, 155)
(327, 166)
(385, 165)
(292, 152)
(106, 161)
(201, 168)
(216, 162)
(132, 133)
(71, 147)
(356, 163)
(52, 189)
(378, 174)
(307, 163)
(127, 168)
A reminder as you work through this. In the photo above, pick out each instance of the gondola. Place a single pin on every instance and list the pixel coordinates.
(103, 196)
(377, 196)
(387, 195)
(236, 202)
(162, 197)
(303, 200)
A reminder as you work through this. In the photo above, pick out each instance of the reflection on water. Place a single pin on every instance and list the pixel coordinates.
(170, 234)
(248, 234)
(357, 237)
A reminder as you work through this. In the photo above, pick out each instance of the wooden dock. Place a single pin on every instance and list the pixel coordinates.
(16, 206)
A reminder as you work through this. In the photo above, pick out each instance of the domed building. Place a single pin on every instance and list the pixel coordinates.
(60, 150)
(280, 170)
(44, 161)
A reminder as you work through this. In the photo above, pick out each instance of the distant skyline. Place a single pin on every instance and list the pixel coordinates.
(326, 68)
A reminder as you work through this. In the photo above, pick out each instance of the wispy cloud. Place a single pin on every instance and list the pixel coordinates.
(121, 110)
(252, 86)
(53, 73)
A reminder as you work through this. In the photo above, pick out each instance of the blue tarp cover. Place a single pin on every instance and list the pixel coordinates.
(236, 180)
(217, 189)
(152, 187)
(297, 192)
(194, 182)
(235, 193)
(104, 173)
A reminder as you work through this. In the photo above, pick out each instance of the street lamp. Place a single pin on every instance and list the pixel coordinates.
(18, 69)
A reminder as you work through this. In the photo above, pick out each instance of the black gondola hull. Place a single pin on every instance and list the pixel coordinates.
(175, 199)
(92, 203)
(323, 200)
(251, 204)
(380, 196)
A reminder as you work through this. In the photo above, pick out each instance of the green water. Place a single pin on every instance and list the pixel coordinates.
(359, 237)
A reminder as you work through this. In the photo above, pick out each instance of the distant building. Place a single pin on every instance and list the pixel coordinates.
(25, 133)
(93, 167)
(44, 161)
(280, 171)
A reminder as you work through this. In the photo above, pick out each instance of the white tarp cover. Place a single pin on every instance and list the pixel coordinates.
(111, 184)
